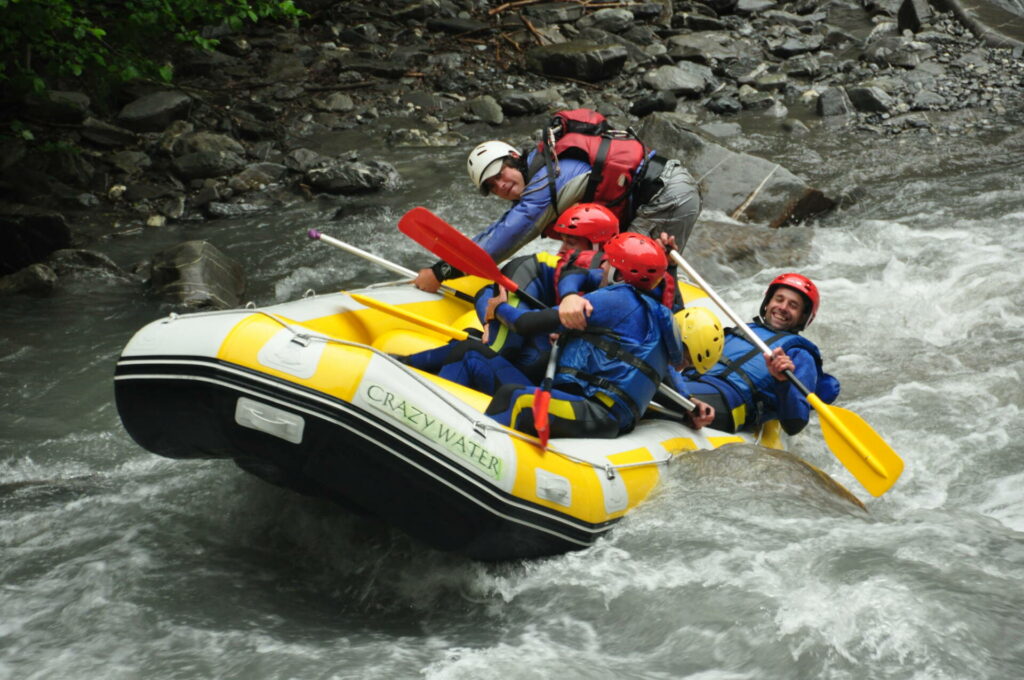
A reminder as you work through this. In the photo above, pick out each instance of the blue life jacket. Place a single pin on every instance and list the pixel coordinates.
(624, 354)
(742, 377)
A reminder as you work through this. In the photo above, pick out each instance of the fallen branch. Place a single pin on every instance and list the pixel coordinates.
(753, 194)
(533, 29)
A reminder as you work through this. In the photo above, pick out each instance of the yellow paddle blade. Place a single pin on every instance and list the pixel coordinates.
(411, 317)
(865, 454)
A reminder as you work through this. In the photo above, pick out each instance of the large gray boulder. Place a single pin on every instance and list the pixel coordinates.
(353, 177)
(582, 60)
(35, 279)
(740, 185)
(154, 112)
(28, 235)
(195, 274)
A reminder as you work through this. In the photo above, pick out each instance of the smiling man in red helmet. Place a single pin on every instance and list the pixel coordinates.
(747, 388)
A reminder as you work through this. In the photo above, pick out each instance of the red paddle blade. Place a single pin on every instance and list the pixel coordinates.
(541, 399)
(455, 248)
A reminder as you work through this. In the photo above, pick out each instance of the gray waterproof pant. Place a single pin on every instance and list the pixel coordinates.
(673, 209)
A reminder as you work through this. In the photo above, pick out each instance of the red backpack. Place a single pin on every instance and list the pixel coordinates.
(614, 157)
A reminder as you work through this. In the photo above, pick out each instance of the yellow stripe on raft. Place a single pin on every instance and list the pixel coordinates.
(242, 346)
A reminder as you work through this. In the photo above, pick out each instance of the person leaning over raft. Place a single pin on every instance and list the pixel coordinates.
(665, 200)
(606, 375)
(746, 388)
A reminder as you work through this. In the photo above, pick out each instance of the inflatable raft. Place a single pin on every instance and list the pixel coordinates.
(307, 395)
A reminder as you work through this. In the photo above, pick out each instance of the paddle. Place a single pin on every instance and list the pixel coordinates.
(376, 259)
(411, 317)
(542, 399)
(858, 447)
(458, 250)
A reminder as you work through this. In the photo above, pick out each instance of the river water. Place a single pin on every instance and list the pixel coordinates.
(115, 563)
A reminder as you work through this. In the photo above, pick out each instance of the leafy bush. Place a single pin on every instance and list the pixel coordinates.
(98, 40)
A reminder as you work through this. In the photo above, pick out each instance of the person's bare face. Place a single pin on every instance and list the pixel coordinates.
(785, 310)
(507, 184)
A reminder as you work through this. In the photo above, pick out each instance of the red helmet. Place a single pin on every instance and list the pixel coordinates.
(801, 284)
(591, 221)
(639, 259)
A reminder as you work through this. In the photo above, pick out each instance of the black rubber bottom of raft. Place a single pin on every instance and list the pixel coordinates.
(186, 409)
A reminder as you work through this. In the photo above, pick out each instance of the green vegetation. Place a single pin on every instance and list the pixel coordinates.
(107, 41)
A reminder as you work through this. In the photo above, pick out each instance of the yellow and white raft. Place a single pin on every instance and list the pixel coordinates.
(306, 395)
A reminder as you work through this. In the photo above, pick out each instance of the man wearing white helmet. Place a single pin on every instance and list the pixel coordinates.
(663, 199)
(498, 168)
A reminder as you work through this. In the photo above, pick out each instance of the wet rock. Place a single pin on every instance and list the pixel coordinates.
(656, 101)
(707, 46)
(197, 62)
(913, 15)
(834, 101)
(417, 10)
(203, 164)
(613, 20)
(374, 67)
(581, 60)
(748, 7)
(35, 279)
(457, 26)
(696, 21)
(687, 79)
(131, 163)
(555, 13)
(754, 99)
(353, 177)
(716, 7)
(792, 46)
(803, 66)
(741, 185)
(68, 165)
(302, 160)
(136, 192)
(77, 261)
(337, 102)
(525, 103)
(898, 51)
(724, 104)
(28, 235)
(771, 82)
(205, 140)
(104, 134)
(284, 67)
(154, 112)
(487, 109)
(54, 106)
(870, 99)
(196, 274)
(926, 99)
(254, 178)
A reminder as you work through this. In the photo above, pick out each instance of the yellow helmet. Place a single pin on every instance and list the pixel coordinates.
(703, 336)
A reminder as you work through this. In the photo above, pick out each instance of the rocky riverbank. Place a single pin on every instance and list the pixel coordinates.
(233, 135)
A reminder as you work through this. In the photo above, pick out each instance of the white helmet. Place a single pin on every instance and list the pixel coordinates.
(485, 161)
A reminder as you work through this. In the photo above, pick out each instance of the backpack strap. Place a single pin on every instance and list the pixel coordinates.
(597, 169)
